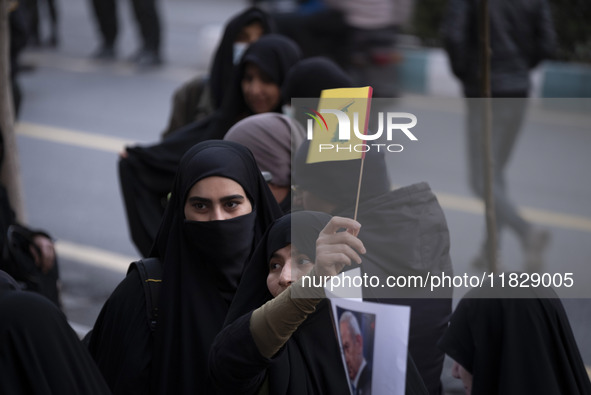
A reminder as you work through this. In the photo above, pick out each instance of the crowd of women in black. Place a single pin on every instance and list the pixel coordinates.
(211, 205)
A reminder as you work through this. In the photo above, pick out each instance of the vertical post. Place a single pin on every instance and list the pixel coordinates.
(487, 141)
(10, 176)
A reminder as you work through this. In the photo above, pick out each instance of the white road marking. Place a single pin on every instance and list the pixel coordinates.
(93, 256)
(72, 137)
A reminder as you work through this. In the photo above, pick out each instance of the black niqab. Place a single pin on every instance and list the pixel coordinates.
(195, 293)
(519, 342)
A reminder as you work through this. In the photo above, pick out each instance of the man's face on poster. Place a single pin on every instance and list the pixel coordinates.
(352, 348)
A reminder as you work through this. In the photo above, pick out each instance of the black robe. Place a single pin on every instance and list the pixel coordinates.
(202, 264)
(516, 341)
(146, 175)
(39, 351)
(310, 362)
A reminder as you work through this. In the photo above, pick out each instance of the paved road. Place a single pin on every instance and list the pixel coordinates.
(77, 114)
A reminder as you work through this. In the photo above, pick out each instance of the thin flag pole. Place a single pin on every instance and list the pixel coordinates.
(363, 155)
(359, 188)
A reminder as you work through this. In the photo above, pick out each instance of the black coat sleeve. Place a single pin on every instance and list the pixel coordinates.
(235, 364)
(121, 340)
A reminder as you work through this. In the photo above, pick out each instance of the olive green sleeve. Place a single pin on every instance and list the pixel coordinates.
(272, 324)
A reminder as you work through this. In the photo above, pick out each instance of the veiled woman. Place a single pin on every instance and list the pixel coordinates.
(202, 95)
(280, 338)
(219, 209)
(146, 172)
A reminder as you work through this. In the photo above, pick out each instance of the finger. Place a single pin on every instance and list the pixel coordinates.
(35, 255)
(349, 253)
(341, 238)
(48, 258)
(337, 223)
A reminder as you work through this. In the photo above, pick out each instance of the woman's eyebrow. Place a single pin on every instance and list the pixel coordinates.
(198, 199)
(231, 197)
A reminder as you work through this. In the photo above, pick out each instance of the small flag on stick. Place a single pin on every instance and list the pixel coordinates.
(339, 124)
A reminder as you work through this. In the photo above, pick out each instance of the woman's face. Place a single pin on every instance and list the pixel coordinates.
(459, 372)
(260, 93)
(281, 271)
(250, 33)
(216, 198)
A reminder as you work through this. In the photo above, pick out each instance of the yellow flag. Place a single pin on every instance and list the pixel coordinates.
(337, 127)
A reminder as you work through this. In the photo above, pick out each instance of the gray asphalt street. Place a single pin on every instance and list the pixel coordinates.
(78, 114)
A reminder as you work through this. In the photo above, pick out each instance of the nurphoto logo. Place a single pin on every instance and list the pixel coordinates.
(392, 123)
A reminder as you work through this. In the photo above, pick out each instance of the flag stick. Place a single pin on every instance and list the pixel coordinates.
(359, 188)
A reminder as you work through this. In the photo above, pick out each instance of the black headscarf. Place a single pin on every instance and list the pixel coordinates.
(519, 342)
(307, 364)
(222, 68)
(275, 55)
(254, 293)
(308, 78)
(147, 173)
(39, 351)
(202, 263)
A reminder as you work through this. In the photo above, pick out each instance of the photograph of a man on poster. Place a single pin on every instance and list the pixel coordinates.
(356, 334)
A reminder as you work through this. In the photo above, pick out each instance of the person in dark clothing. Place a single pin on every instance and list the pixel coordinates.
(27, 254)
(19, 35)
(271, 138)
(279, 338)
(309, 362)
(514, 341)
(219, 208)
(34, 22)
(521, 36)
(146, 172)
(148, 20)
(405, 233)
(203, 95)
(39, 352)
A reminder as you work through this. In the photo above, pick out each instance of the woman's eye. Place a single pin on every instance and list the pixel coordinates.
(266, 79)
(232, 204)
(274, 266)
(200, 206)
